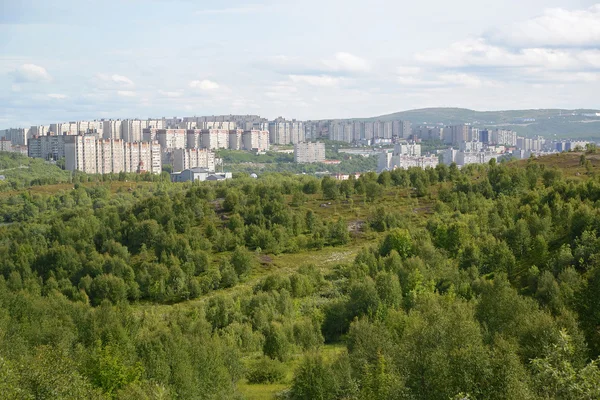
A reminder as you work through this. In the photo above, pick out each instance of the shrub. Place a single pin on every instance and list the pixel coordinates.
(265, 370)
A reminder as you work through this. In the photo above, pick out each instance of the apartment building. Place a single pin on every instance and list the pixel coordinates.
(286, 132)
(80, 153)
(405, 155)
(182, 159)
(257, 140)
(48, 147)
(309, 152)
(102, 156)
(111, 129)
(214, 139)
(235, 139)
(132, 129)
(171, 138)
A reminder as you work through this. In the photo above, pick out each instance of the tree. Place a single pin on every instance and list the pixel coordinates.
(557, 378)
(313, 380)
(243, 261)
(399, 240)
(330, 188)
(277, 345)
(108, 287)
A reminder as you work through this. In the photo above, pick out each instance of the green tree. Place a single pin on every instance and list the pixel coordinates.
(313, 380)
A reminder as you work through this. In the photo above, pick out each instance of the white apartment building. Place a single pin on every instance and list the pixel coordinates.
(171, 138)
(404, 155)
(479, 157)
(470, 146)
(215, 139)
(182, 159)
(503, 137)
(409, 149)
(255, 139)
(5, 145)
(530, 144)
(103, 156)
(449, 156)
(80, 154)
(286, 132)
(309, 152)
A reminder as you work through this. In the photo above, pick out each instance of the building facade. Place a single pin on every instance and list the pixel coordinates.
(309, 152)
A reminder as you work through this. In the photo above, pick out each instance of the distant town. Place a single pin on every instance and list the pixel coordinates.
(188, 145)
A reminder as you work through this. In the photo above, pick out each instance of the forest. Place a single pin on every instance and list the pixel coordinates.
(446, 283)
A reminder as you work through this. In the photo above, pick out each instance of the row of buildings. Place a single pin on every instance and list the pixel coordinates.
(405, 155)
(93, 155)
(367, 131)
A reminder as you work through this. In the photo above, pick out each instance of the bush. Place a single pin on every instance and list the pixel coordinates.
(265, 370)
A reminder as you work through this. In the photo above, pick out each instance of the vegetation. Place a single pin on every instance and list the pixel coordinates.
(480, 283)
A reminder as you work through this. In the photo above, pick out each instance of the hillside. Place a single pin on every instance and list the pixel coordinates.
(547, 122)
(442, 284)
(21, 171)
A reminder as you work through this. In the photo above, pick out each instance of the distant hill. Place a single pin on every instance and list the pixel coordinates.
(545, 122)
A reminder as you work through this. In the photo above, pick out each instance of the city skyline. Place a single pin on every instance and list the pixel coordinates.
(74, 61)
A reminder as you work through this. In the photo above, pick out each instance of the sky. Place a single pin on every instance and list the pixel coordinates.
(67, 60)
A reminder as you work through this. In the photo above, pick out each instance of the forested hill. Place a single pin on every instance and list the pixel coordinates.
(480, 283)
(546, 122)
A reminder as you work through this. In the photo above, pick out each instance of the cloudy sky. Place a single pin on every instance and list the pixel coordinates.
(65, 60)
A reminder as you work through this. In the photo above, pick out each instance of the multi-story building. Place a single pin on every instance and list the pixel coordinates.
(16, 136)
(309, 152)
(235, 139)
(132, 129)
(80, 153)
(502, 137)
(471, 146)
(182, 159)
(456, 134)
(48, 147)
(171, 138)
(5, 145)
(474, 157)
(286, 132)
(143, 157)
(102, 156)
(255, 140)
(215, 138)
(405, 155)
(449, 156)
(111, 129)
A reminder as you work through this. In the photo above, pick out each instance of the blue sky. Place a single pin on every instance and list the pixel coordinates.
(67, 60)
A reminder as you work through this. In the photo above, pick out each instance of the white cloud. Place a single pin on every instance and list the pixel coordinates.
(125, 93)
(250, 8)
(57, 96)
(32, 73)
(204, 84)
(314, 80)
(348, 63)
(170, 94)
(478, 52)
(122, 79)
(556, 27)
(115, 80)
(408, 70)
(281, 91)
(467, 80)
